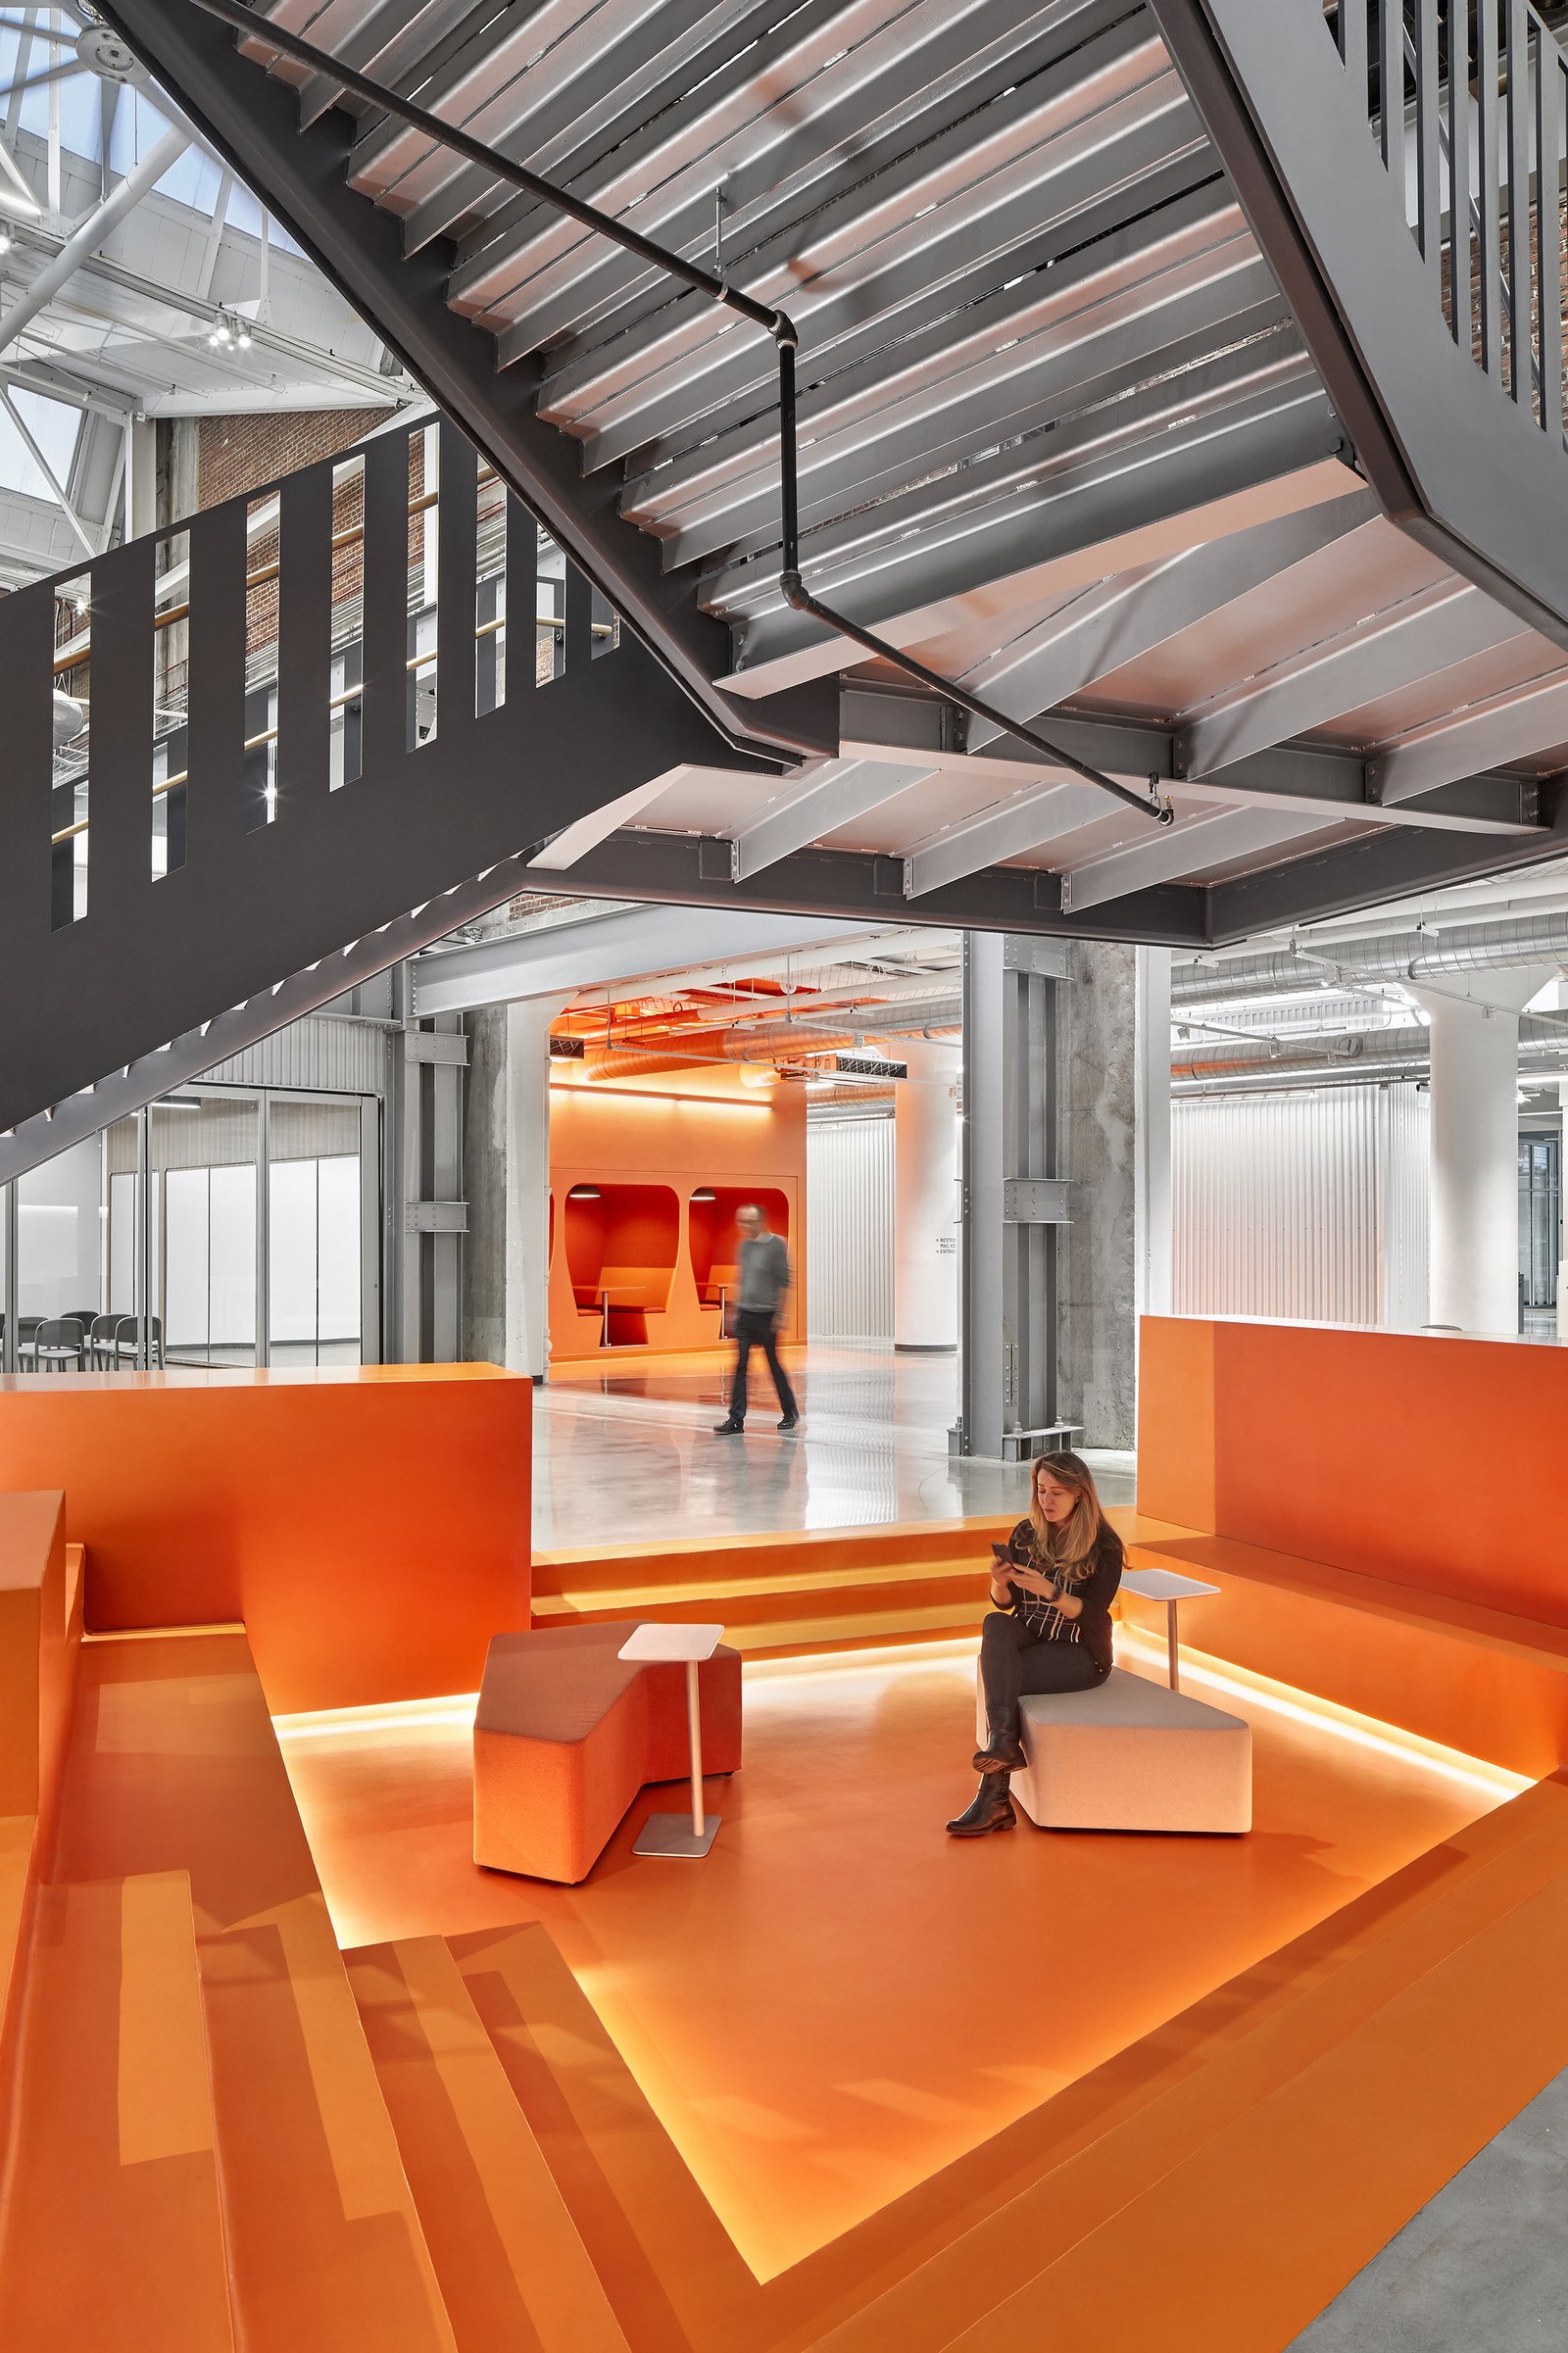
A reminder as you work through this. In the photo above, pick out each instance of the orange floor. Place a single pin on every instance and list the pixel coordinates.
(841, 2000)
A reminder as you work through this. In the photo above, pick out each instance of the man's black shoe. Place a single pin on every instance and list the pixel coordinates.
(729, 1429)
(790, 1421)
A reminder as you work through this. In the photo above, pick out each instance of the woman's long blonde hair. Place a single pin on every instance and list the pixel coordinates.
(1069, 1548)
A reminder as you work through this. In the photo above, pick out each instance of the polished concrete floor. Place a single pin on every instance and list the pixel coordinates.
(1483, 2268)
(620, 1453)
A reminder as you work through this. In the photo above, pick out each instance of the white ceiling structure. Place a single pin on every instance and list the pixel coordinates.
(138, 279)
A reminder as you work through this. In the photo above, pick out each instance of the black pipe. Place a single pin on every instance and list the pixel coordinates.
(717, 289)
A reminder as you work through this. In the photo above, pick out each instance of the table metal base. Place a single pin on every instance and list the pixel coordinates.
(672, 1833)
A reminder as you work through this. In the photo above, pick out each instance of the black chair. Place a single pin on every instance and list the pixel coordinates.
(59, 1342)
(28, 1327)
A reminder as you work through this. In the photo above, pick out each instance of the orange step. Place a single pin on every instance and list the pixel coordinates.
(779, 1597)
(511, 2267)
(173, 1765)
(670, 2267)
(1065, 2223)
(113, 2235)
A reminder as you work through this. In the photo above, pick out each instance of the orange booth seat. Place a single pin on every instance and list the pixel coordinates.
(566, 1733)
(1383, 1515)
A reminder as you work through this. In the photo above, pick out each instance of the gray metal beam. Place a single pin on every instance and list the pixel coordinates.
(874, 724)
(1388, 650)
(1027, 822)
(1117, 620)
(1534, 719)
(1376, 868)
(693, 871)
(1207, 839)
(634, 944)
(802, 812)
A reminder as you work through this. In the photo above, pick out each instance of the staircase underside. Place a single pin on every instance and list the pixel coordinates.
(1078, 432)
(1067, 436)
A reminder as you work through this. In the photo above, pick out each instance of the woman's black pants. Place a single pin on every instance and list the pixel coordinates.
(1012, 1662)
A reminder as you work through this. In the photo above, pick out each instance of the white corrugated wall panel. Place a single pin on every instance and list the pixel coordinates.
(1306, 1206)
(348, 1058)
(849, 1227)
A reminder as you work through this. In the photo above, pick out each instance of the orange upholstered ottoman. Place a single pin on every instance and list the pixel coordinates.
(566, 1733)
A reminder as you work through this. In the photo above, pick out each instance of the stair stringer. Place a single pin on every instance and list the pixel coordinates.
(1457, 461)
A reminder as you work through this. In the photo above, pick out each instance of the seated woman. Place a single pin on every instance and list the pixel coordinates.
(1056, 1578)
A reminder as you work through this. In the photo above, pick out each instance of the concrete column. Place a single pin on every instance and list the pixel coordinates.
(925, 1165)
(505, 1303)
(1475, 1147)
(1099, 1261)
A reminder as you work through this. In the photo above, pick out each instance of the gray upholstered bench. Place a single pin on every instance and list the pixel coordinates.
(1132, 1755)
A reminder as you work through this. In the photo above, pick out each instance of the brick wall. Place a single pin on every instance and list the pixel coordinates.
(241, 453)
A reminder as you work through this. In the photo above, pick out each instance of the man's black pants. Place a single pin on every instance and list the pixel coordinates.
(1012, 1662)
(754, 1329)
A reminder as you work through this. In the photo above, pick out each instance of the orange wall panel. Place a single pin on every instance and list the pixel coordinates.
(737, 1140)
(34, 1666)
(1433, 1460)
(370, 1526)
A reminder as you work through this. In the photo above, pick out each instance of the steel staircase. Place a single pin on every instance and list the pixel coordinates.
(1146, 392)
(322, 734)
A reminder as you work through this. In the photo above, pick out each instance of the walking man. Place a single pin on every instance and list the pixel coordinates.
(765, 1277)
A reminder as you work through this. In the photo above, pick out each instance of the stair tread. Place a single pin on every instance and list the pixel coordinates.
(173, 1765)
(668, 2265)
(512, 2266)
(1044, 2188)
(1350, 2142)
(611, 1598)
(115, 2132)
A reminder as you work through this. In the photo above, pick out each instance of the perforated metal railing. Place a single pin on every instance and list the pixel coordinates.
(1467, 103)
(71, 837)
(303, 726)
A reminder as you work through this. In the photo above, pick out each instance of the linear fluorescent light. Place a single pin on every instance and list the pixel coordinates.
(581, 1091)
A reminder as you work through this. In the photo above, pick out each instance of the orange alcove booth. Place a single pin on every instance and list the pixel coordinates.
(621, 1243)
(644, 1192)
(713, 1242)
(370, 1526)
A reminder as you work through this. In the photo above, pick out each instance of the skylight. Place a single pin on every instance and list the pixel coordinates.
(54, 427)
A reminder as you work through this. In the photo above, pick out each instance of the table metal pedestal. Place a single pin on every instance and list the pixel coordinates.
(673, 1833)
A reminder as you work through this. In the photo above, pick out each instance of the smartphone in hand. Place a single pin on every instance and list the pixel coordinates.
(1001, 1555)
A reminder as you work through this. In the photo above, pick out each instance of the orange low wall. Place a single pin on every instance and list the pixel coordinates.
(369, 1524)
(1433, 1461)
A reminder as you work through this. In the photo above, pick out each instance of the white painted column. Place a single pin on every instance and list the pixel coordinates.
(527, 1264)
(925, 1228)
(1475, 1147)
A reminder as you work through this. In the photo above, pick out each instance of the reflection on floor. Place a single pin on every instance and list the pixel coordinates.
(841, 2000)
(618, 1453)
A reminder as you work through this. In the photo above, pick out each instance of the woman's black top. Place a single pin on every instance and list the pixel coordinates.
(1097, 1591)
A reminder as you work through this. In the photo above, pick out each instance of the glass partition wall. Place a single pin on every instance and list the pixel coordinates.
(223, 1226)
